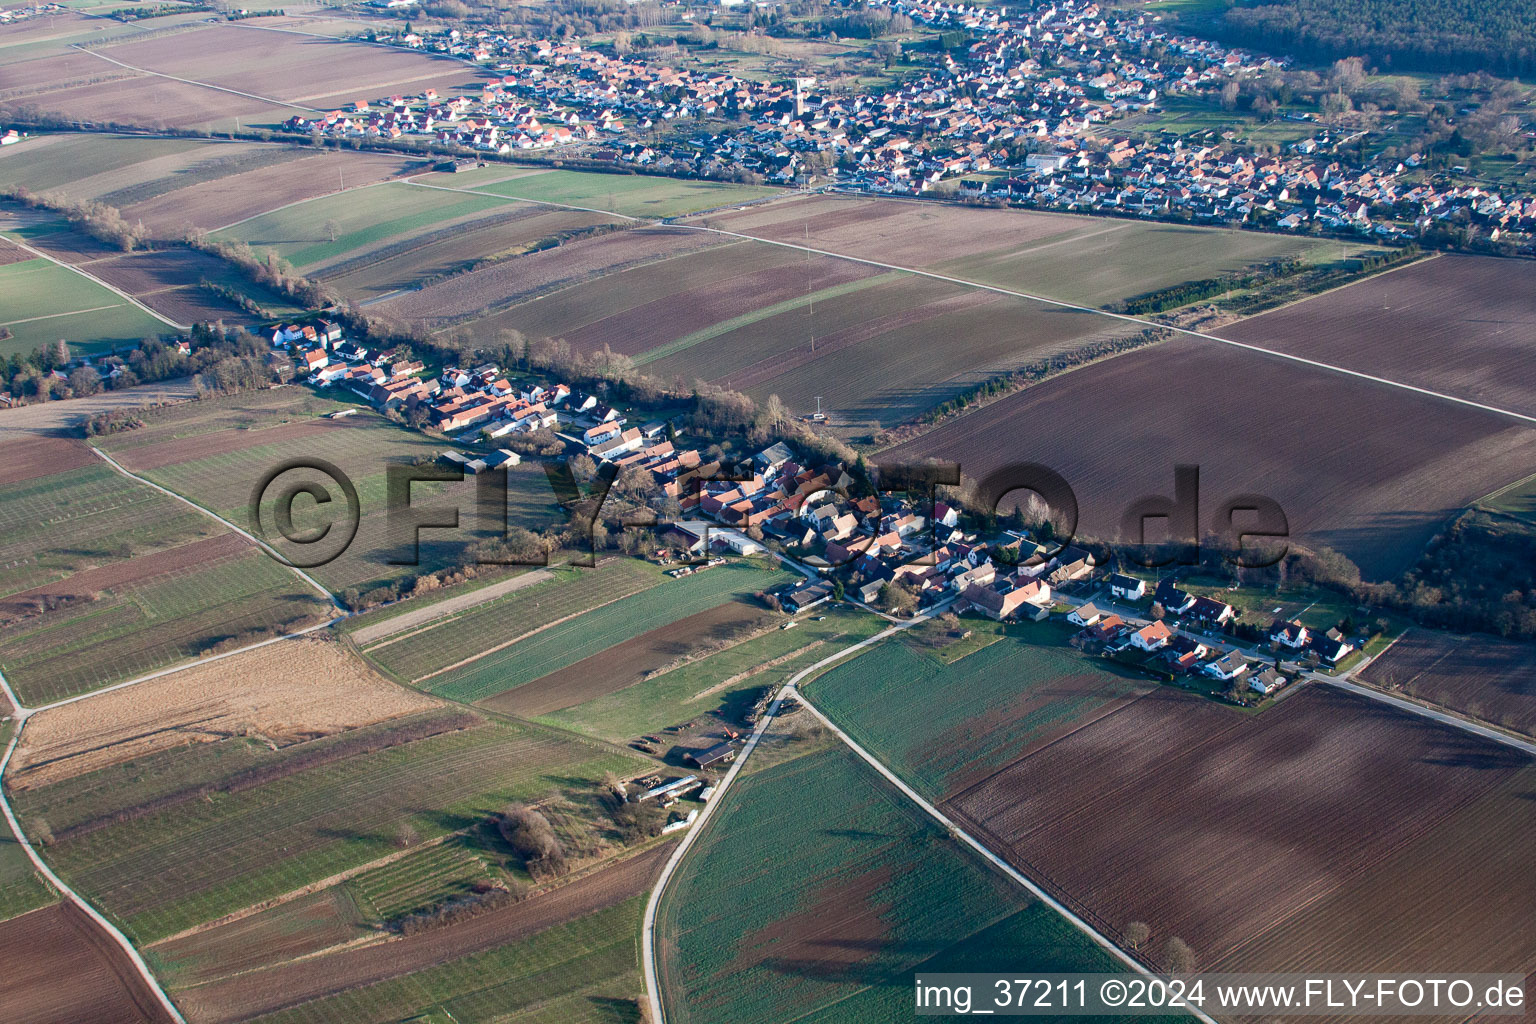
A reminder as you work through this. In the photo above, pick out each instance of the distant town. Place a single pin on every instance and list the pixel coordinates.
(1024, 115)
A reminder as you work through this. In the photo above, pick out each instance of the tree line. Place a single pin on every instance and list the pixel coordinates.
(1423, 35)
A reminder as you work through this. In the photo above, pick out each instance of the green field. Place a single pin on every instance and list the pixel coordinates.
(49, 162)
(569, 642)
(634, 195)
(817, 891)
(571, 591)
(718, 681)
(419, 879)
(586, 971)
(941, 727)
(160, 864)
(363, 217)
(41, 302)
(138, 627)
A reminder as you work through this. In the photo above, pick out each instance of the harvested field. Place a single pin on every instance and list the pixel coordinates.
(1481, 676)
(1090, 260)
(817, 890)
(212, 204)
(1315, 797)
(59, 418)
(642, 310)
(291, 984)
(42, 456)
(82, 585)
(317, 73)
(868, 348)
(169, 282)
(60, 966)
(466, 296)
(1367, 469)
(1457, 324)
(274, 693)
(230, 442)
(627, 663)
(156, 103)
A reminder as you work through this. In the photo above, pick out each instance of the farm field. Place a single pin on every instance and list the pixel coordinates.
(312, 73)
(633, 659)
(65, 511)
(558, 595)
(47, 946)
(943, 728)
(817, 891)
(643, 310)
(1456, 324)
(22, 889)
(484, 295)
(143, 624)
(267, 694)
(1141, 814)
(1480, 676)
(569, 954)
(720, 682)
(567, 643)
(632, 195)
(44, 302)
(143, 840)
(1369, 470)
(1095, 261)
(216, 459)
(363, 218)
(449, 247)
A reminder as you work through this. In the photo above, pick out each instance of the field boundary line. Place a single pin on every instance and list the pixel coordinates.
(55, 316)
(653, 903)
(69, 894)
(193, 81)
(1124, 317)
(992, 858)
(508, 586)
(306, 577)
(96, 280)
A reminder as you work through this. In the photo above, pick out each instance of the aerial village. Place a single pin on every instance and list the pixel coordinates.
(1052, 79)
(891, 553)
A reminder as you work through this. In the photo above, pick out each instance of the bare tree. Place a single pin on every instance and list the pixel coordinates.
(1179, 958)
(332, 229)
(1137, 933)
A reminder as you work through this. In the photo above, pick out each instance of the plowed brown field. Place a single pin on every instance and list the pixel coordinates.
(42, 456)
(1461, 325)
(1227, 830)
(61, 967)
(1491, 679)
(1370, 470)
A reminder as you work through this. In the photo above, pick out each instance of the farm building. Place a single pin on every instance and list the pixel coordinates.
(805, 594)
(717, 756)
